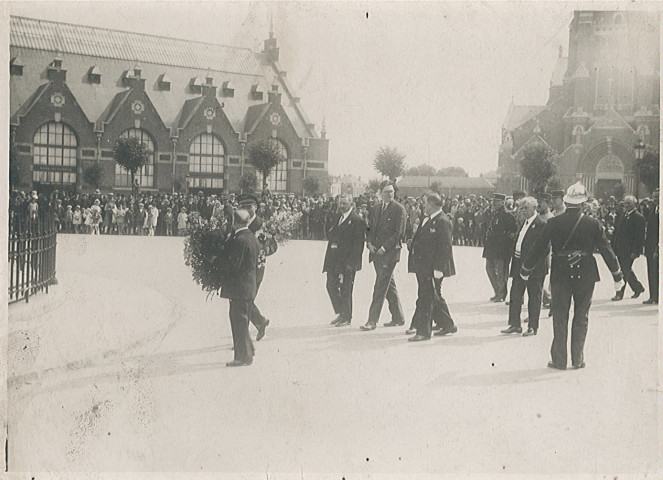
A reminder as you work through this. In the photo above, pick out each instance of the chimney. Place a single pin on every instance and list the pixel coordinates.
(55, 71)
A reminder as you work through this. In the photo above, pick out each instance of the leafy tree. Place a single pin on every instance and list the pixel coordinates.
(422, 170)
(264, 155)
(248, 182)
(555, 184)
(311, 185)
(649, 168)
(389, 162)
(452, 172)
(93, 175)
(373, 185)
(537, 166)
(131, 155)
(14, 169)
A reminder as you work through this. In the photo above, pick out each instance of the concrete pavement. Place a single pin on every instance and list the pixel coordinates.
(122, 368)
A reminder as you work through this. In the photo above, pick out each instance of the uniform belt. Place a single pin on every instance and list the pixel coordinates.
(567, 253)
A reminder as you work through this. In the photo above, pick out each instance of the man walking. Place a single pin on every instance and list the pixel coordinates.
(628, 242)
(497, 248)
(529, 233)
(431, 259)
(385, 233)
(574, 238)
(241, 287)
(651, 250)
(343, 259)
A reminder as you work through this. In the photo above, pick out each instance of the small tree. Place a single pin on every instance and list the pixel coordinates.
(248, 182)
(649, 168)
(373, 185)
(422, 170)
(264, 155)
(14, 169)
(93, 175)
(452, 172)
(131, 155)
(311, 185)
(537, 166)
(389, 162)
(555, 184)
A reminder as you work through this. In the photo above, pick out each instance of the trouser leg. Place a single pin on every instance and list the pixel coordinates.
(345, 296)
(334, 292)
(516, 300)
(383, 279)
(239, 324)
(441, 313)
(394, 302)
(652, 276)
(424, 304)
(534, 292)
(582, 300)
(257, 318)
(492, 275)
(560, 309)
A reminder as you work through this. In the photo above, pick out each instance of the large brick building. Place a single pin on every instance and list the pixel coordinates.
(74, 90)
(604, 97)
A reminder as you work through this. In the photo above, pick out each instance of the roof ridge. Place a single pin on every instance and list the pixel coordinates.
(131, 33)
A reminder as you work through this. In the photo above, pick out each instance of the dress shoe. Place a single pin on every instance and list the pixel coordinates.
(512, 329)
(446, 331)
(497, 300)
(436, 328)
(238, 363)
(394, 323)
(651, 301)
(336, 320)
(529, 332)
(552, 365)
(637, 294)
(368, 326)
(261, 331)
(492, 299)
(418, 338)
(579, 365)
(410, 331)
(617, 298)
(343, 323)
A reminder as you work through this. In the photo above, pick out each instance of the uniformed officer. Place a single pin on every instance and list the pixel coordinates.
(574, 238)
(500, 237)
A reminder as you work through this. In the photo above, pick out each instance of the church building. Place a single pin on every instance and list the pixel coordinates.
(74, 90)
(603, 100)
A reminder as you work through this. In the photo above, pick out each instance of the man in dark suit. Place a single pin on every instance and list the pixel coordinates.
(240, 289)
(628, 242)
(498, 246)
(574, 237)
(249, 203)
(651, 249)
(528, 234)
(431, 259)
(386, 229)
(343, 258)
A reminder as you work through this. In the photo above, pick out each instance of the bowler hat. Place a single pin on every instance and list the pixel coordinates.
(499, 196)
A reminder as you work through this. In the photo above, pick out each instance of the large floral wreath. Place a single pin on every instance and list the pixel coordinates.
(205, 246)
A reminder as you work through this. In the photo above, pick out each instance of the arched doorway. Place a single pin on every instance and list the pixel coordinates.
(604, 166)
(609, 173)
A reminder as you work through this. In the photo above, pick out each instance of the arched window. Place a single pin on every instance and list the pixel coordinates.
(278, 179)
(146, 174)
(55, 151)
(206, 156)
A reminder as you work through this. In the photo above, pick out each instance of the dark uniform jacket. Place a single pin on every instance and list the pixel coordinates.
(346, 244)
(242, 251)
(629, 235)
(431, 247)
(500, 235)
(533, 233)
(267, 247)
(587, 238)
(387, 229)
(651, 239)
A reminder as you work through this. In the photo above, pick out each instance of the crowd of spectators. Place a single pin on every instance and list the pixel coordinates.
(170, 214)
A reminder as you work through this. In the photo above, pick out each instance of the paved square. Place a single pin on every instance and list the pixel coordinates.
(122, 368)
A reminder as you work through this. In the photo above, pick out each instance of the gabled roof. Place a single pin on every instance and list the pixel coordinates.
(115, 106)
(581, 71)
(254, 115)
(559, 71)
(445, 182)
(29, 103)
(519, 114)
(189, 108)
(533, 139)
(611, 120)
(129, 46)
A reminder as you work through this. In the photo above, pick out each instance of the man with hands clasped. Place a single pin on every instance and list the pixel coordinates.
(431, 259)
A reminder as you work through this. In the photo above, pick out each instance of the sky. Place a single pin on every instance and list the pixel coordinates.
(433, 79)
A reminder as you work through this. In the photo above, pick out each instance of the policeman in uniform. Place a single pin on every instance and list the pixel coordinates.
(574, 238)
(500, 237)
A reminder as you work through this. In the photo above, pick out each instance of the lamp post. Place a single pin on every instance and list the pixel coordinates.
(639, 150)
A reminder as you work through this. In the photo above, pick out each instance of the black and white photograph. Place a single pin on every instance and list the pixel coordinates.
(340, 240)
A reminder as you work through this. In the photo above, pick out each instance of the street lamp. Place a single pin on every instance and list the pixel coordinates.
(639, 150)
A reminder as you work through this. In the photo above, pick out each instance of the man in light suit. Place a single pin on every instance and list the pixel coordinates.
(431, 259)
(527, 236)
(240, 289)
(386, 229)
(343, 258)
